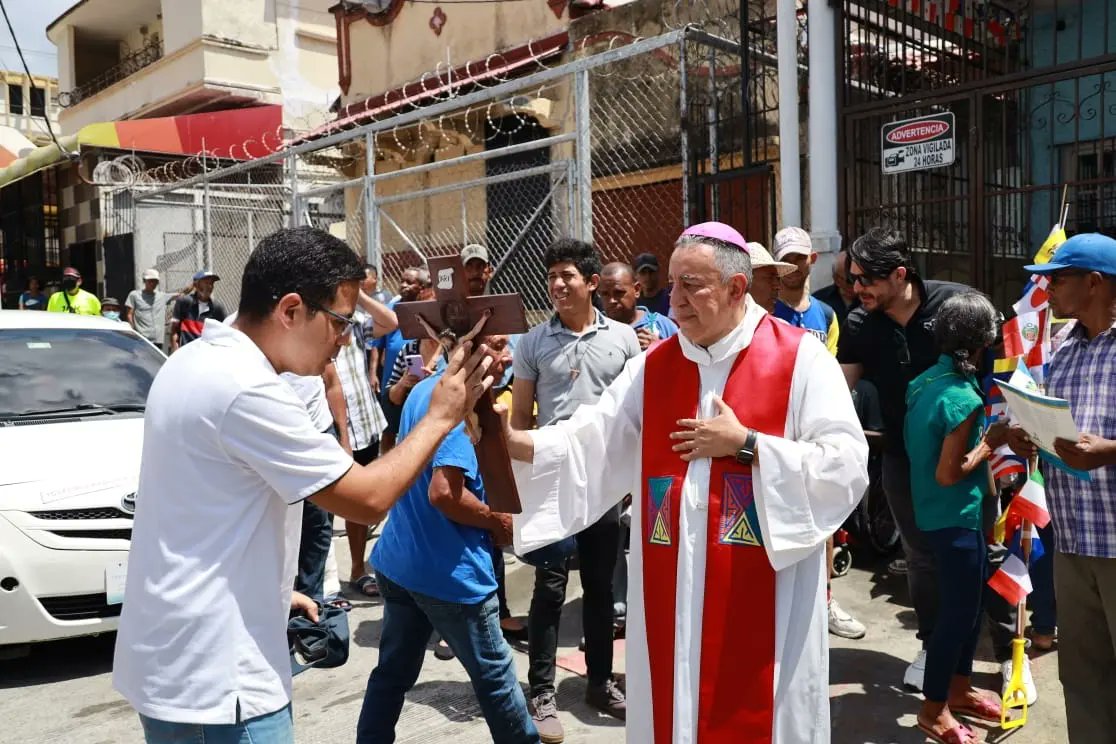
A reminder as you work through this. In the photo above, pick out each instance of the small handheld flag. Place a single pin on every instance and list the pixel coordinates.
(1030, 502)
(1012, 582)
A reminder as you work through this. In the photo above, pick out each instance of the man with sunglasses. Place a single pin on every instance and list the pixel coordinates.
(1083, 371)
(889, 340)
(229, 455)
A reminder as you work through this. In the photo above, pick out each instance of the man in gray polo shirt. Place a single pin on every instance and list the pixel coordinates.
(560, 364)
(146, 309)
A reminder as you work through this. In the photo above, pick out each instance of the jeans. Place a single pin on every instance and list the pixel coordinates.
(501, 591)
(473, 632)
(597, 547)
(962, 564)
(1044, 608)
(313, 547)
(922, 572)
(273, 728)
(317, 534)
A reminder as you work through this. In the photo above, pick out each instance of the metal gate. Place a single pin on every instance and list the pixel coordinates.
(1032, 87)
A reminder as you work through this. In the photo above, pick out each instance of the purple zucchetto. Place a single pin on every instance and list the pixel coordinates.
(719, 231)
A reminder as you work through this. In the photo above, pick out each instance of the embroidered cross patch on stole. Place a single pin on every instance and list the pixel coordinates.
(739, 521)
(658, 510)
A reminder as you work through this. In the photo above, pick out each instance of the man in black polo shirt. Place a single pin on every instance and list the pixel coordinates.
(192, 310)
(889, 340)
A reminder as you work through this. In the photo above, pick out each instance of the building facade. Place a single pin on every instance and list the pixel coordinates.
(27, 105)
(133, 59)
(1029, 87)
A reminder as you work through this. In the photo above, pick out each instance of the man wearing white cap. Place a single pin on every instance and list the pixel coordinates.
(799, 308)
(767, 274)
(796, 305)
(750, 456)
(146, 309)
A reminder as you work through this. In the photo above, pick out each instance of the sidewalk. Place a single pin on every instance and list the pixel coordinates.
(63, 692)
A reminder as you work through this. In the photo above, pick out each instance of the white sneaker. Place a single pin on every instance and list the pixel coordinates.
(1028, 680)
(912, 678)
(843, 624)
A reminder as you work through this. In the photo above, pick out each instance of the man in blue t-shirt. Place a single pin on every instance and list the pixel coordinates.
(795, 304)
(434, 569)
(619, 291)
(799, 308)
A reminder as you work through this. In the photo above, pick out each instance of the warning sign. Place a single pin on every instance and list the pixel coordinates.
(918, 144)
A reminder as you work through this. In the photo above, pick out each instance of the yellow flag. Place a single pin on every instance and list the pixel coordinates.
(999, 530)
(1000, 366)
(1056, 237)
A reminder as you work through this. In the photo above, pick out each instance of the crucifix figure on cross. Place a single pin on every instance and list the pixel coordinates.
(453, 316)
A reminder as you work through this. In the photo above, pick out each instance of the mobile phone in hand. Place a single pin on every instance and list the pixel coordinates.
(415, 366)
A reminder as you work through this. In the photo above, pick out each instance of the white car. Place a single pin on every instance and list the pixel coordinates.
(72, 394)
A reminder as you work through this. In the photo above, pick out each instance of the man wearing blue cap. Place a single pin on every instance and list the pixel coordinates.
(1083, 371)
(191, 311)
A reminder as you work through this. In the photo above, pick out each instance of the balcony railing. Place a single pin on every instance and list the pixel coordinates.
(149, 53)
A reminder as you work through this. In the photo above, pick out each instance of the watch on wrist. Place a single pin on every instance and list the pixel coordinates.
(747, 453)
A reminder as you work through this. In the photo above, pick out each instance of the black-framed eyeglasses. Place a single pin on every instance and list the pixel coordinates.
(341, 324)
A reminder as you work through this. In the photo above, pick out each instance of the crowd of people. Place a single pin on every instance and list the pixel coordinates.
(690, 506)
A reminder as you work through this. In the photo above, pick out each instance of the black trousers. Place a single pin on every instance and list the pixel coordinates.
(597, 547)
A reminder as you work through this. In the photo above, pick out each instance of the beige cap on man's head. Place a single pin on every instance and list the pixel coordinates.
(793, 240)
(760, 257)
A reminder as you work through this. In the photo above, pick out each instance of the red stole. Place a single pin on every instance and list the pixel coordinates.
(736, 691)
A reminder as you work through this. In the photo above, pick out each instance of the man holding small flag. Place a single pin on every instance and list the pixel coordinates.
(1082, 370)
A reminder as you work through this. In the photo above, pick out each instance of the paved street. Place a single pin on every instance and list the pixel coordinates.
(62, 692)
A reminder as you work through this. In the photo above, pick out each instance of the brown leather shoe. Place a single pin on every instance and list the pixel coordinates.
(608, 698)
(544, 712)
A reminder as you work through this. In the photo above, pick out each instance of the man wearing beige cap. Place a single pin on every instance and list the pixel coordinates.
(796, 305)
(767, 276)
(146, 310)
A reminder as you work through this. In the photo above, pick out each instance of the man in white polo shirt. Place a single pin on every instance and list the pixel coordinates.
(229, 455)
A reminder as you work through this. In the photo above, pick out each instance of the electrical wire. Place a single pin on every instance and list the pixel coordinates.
(27, 70)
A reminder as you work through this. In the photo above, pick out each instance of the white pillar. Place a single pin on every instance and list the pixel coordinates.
(822, 130)
(790, 175)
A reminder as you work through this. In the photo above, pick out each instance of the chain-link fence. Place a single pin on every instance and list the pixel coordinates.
(624, 143)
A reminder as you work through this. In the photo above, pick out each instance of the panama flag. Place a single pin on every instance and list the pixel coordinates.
(1035, 296)
(1012, 582)
(1030, 502)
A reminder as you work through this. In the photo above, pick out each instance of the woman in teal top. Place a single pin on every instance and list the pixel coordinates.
(948, 448)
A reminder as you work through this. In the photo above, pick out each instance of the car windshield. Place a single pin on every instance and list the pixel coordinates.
(61, 369)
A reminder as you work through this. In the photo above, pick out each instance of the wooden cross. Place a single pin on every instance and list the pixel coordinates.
(452, 314)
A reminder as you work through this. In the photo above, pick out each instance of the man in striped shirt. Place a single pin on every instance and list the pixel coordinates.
(1083, 371)
(366, 421)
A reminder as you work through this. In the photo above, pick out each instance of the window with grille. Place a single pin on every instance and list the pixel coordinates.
(38, 101)
(15, 98)
(1094, 203)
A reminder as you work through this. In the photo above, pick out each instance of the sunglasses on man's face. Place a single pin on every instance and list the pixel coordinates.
(864, 280)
